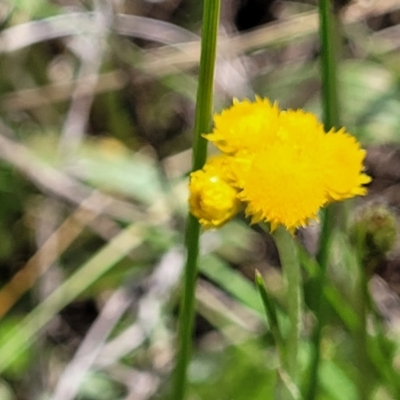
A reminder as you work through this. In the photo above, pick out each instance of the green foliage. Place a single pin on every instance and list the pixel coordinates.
(23, 360)
(33, 9)
(98, 386)
(241, 372)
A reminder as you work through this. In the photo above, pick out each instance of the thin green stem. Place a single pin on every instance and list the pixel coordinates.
(203, 121)
(329, 48)
(204, 105)
(362, 305)
(363, 365)
(271, 314)
(320, 305)
(287, 248)
(330, 103)
(286, 388)
(187, 309)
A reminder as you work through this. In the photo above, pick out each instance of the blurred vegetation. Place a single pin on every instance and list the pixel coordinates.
(96, 117)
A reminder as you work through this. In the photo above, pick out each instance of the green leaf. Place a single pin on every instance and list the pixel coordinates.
(232, 281)
(336, 383)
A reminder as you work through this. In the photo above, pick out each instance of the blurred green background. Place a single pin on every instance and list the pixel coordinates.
(97, 104)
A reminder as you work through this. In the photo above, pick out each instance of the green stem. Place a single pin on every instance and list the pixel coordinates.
(287, 248)
(362, 305)
(329, 48)
(285, 388)
(330, 104)
(203, 121)
(320, 304)
(271, 314)
(204, 104)
(363, 365)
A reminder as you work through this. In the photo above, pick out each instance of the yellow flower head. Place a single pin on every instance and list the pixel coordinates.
(299, 128)
(245, 125)
(344, 165)
(280, 164)
(282, 186)
(213, 199)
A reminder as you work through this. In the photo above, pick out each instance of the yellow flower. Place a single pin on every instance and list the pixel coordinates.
(280, 164)
(299, 128)
(213, 199)
(282, 185)
(245, 125)
(283, 181)
(344, 165)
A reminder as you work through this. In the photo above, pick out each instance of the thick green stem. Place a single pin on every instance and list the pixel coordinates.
(203, 121)
(291, 268)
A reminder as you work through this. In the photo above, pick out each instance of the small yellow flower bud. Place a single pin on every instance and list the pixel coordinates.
(213, 200)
